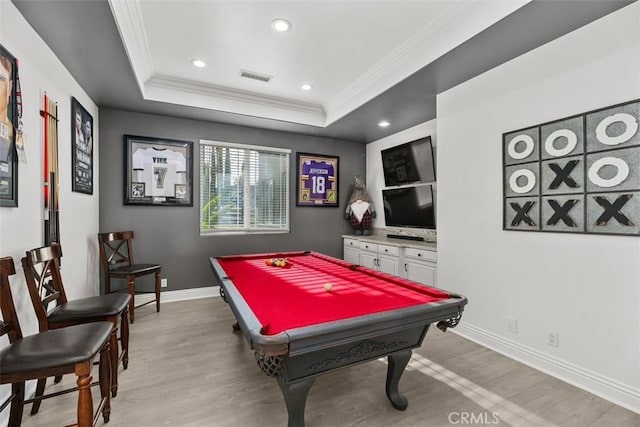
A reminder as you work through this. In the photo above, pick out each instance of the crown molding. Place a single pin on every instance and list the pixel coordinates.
(203, 95)
(455, 25)
(128, 17)
(161, 88)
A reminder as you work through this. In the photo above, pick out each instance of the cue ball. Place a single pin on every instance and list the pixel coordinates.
(327, 287)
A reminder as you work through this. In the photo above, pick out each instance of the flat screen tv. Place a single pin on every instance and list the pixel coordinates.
(409, 207)
(409, 163)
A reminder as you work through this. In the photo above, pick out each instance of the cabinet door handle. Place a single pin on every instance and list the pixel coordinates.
(386, 250)
(419, 254)
(406, 268)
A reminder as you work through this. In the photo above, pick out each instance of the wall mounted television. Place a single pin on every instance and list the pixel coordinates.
(409, 207)
(409, 163)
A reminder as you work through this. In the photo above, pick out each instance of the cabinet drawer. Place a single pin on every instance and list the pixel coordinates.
(421, 254)
(351, 243)
(368, 246)
(388, 250)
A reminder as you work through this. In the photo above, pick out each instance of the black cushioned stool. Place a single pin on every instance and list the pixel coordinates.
(42, 272)
(52, 353)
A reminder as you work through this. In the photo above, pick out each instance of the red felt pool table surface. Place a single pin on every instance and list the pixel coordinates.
(284, 298)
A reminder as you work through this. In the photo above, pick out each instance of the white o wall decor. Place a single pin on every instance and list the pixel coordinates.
(522, 146)
(631, 128)
(522, 189)
(572, 141)
(528, 150)
(621, 174)
(580, 174)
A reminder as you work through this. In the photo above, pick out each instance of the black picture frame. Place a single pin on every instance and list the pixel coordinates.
(8, 129)
(155, 168)
(81, 149)
(319, 189)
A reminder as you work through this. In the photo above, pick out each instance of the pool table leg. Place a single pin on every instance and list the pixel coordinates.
(295, 397)
(397, 362)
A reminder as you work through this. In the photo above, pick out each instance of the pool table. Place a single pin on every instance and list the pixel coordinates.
(318, 313)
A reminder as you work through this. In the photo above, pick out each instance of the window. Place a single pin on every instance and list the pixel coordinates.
(243, 188)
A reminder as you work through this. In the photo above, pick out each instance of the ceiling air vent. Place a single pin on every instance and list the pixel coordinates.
(255, 76)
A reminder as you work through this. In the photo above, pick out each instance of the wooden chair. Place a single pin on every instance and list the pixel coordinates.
(116, 257)
(42, 272)
(52, 353)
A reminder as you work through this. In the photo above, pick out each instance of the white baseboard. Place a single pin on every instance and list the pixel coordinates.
(181, 295)
(607, 388)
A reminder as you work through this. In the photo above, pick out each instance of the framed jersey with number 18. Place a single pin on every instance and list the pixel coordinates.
(317, 183)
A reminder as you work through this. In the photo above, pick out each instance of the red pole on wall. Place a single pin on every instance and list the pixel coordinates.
(50, 171)
(45, 116)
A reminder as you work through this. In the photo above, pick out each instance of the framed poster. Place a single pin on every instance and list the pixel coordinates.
(81, 149)
(158, 172)
(317, 180)
(8, 129)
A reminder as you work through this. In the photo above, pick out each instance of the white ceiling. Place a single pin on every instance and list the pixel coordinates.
(350, 95)
(350, 51)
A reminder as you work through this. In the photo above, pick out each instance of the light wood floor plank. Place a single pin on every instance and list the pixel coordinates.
(186, 368)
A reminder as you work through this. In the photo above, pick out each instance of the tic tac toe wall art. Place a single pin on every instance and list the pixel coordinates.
(580, 174)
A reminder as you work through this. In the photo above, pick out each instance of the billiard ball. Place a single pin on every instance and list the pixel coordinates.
(328, 287)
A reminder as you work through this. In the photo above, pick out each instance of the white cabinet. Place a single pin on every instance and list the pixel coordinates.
(385, 258)
(390, 259)
(414, 264)
(351, 251)
(420, 266)
(369, 255)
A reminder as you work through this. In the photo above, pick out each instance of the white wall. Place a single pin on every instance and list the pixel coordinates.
(375, 176)
(22, 228)
(585, 287)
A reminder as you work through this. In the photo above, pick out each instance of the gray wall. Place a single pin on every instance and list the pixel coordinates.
(170, 235)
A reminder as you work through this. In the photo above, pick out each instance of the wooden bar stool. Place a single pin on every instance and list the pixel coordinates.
(116, 257)
(52, 353)
(42, 273)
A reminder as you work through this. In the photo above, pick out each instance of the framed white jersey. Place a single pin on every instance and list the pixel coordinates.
(159, 171)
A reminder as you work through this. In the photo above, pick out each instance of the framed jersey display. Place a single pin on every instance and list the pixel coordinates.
(158, 172)
(317, 182)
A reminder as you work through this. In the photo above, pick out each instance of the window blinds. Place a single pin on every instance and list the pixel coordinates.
(243, 188)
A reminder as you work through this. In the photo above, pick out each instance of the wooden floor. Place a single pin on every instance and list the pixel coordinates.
(188, 369)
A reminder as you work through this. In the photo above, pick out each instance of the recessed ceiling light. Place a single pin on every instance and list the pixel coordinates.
(281, 25)
(306, 86)
(198, 63)
(383, 124)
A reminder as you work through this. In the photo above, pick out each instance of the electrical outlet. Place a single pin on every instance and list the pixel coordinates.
(512, 325)
(553, 339)
(163, 283)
